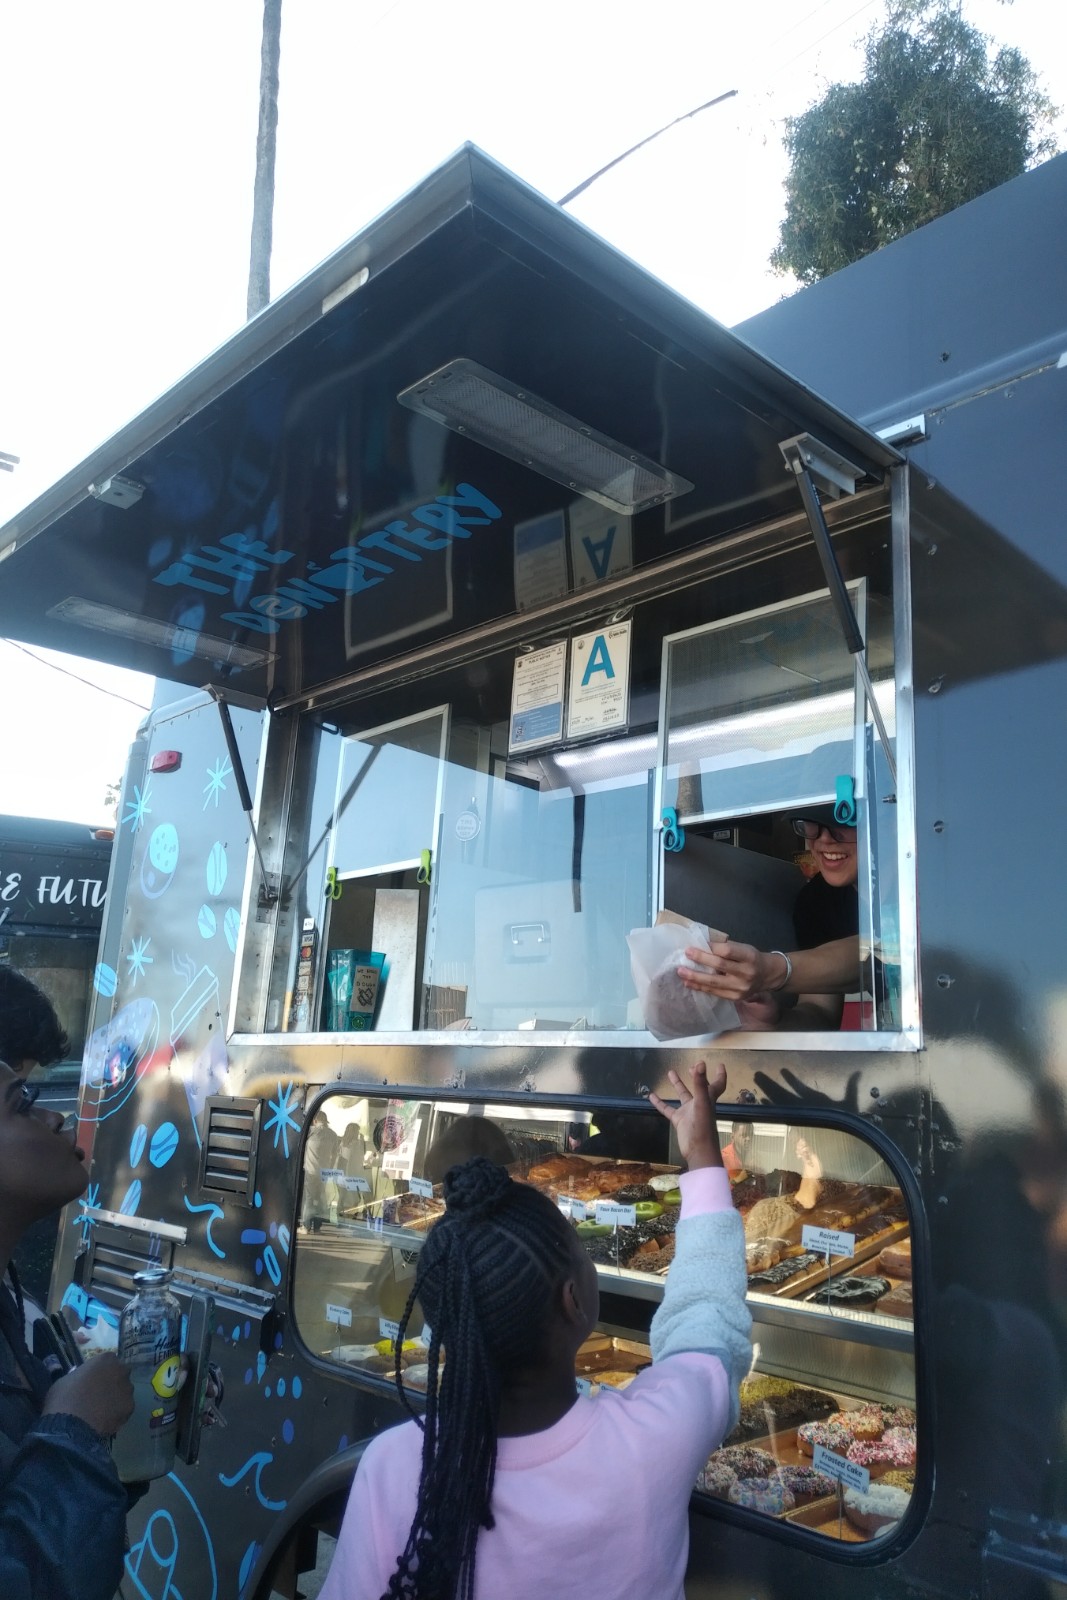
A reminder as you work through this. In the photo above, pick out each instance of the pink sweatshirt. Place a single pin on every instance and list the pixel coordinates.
(597, 1505)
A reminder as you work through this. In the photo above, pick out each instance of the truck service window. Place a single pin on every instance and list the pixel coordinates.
(827, 1439)
(447, 867)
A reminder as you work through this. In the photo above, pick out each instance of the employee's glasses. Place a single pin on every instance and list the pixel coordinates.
(811, 831)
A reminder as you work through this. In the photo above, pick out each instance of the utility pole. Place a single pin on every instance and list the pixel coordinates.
(266, 143)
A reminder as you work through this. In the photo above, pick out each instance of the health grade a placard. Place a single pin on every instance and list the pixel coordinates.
(599, 681)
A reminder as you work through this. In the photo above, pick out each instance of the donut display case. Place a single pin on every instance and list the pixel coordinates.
(827, 1435)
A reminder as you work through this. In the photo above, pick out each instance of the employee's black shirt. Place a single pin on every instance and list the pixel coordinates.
(822, 912)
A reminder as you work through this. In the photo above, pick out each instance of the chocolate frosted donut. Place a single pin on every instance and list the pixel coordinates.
(898, 1416)
(762, 1494)
(804, 1483)
(717, 1478)
(853, 1292)
(746, 1461)
(831, 1435)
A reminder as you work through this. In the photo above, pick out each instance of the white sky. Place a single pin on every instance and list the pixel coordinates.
(128, 136)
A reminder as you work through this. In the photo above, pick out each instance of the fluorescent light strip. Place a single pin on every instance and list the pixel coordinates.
(145, 630)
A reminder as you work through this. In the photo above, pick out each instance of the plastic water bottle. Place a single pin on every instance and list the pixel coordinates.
(150, 1339)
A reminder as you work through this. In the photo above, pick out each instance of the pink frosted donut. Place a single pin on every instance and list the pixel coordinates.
(762, 1494)
(896, 1448)
(829, 1434)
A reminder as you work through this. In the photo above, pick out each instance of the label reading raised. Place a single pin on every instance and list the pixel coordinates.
(822, 1240)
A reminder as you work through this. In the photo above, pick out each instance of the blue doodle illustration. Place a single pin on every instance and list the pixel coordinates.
(164, 1144)
(258, 1462)
(231, 925)
(88, 1202)
(217, 868)
(137, 1143)
(161, 1567)
(216, 1215)
(138, 808)
(281, 1118)
(137, 958)
(206, 1077)
(216, 782)
(205, 921)
(201, 990)
(161, 860)
(116, 1057)
(248, 1561)
(105, 980)
(131, 1199)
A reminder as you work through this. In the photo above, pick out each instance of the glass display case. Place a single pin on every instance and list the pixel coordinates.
(827, 1435)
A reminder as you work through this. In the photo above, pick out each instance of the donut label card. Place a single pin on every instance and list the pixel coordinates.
(341, 1315)
(618, 1216)
(331, 1174)
(850, 1473)
(827, 1241)
(391, 1330)
(421, 1186)
(575, 1209)
(356, 1185)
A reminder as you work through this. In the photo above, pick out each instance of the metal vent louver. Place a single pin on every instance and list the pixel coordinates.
(228, 1153)
(115, 1254)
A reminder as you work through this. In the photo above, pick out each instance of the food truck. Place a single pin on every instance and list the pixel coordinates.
(53, 887)
(517, 602)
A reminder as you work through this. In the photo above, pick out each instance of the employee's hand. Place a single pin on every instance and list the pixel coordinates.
(732, 971)
(99, 1392)
(759, 1014)
(693, 1119)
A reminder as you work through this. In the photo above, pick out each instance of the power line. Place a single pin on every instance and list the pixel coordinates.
(68, 674)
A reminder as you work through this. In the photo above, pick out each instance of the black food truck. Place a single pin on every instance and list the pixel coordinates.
(518, 602)
(53, 888)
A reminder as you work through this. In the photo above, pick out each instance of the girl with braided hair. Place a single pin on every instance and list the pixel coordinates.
(513, 1484)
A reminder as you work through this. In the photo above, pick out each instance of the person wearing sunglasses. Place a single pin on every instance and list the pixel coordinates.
(801, 989)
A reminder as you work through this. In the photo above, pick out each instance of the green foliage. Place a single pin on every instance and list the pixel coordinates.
(935, 121)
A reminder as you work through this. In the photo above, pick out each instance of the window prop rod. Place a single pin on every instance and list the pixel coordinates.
(815, 465)
(338, 812)
(268, 893)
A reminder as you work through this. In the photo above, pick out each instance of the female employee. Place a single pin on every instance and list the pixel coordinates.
(823, 968)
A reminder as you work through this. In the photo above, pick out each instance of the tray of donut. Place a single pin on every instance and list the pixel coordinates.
(766, 1463)
(779, 1265)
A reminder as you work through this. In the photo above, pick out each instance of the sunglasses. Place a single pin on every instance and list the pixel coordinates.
(811, 831)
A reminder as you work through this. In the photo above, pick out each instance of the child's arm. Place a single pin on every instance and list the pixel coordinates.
(703, 1307)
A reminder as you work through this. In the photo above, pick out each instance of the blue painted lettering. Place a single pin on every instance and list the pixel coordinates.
(382, 540)
(599, 660)
(251, 619)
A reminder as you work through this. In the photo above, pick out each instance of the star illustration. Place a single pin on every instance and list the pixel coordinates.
(216, 782)
(138, 958)
(138, 808)
(89, 1200)
(281, 1118)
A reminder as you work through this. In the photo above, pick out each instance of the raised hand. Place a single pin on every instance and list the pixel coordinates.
(693, 1118)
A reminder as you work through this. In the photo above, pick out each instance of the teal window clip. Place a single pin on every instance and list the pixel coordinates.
(673, 832)
(845, 803)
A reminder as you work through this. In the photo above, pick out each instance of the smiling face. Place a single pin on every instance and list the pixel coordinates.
(837, 862)
(41, 1167)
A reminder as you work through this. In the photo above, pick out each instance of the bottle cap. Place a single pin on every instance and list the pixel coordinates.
(152, 1278)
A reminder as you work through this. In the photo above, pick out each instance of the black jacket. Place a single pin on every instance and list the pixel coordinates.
(62, 1507)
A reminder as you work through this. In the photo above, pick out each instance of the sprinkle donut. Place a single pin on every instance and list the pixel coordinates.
(829, 1434)
(769, 1495)
(896, 1448)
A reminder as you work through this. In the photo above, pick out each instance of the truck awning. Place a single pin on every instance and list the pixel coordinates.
(412, 442)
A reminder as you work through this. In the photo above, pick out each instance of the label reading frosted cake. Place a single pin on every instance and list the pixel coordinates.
(837, 1467)
(828, 1240)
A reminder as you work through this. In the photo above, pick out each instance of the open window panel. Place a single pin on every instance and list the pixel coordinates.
(827, 1440)
(764, 724)
(488, 884)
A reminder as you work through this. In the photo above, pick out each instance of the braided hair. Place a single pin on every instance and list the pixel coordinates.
(486, 1282)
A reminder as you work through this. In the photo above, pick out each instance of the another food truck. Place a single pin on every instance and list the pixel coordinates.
(53, 887)
(517, 602)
